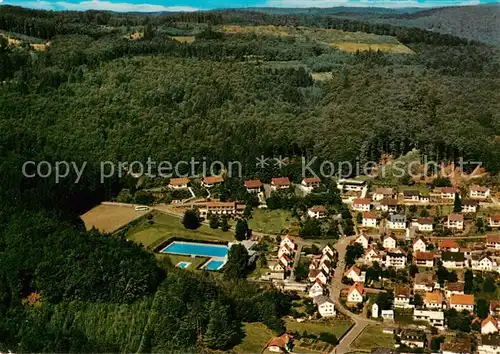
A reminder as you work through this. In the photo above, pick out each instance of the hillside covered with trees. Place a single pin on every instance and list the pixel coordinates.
(99, 93)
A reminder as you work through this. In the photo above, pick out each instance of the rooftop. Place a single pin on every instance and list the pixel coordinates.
(253, 183)
(213, 179)
(462, 299)
(427, 256)
(280, 181)
(178, 181)
(453, 256)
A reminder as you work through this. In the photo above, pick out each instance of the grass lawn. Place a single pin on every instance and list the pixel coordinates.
(271, 221)
(195, 262)
(166, 226)
(257, 335)
(371, 337)
(335, 327)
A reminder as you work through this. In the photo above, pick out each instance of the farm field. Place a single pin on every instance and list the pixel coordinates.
(396, 48)
(109, 218)
(183, 39)
(371, 337)
(271, 221)
(162, 227)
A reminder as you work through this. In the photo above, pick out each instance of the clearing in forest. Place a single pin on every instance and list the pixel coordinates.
(347, 41)
(13, 41)
(183, 39)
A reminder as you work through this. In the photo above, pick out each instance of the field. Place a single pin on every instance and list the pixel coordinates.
(257, 335)
(396, 48)
(271, 221)
(346, 41)
(183, 39)
(163, 227)
(338, 328)
(371, 337)
(108, 218)
(36, 44)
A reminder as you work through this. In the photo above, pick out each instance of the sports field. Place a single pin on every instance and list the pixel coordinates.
(109, 218)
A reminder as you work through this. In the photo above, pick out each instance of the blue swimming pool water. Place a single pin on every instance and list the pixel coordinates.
(214, 264)
(196, 249)
(183, 265)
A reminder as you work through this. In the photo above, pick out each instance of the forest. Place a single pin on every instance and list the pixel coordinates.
(95, 94)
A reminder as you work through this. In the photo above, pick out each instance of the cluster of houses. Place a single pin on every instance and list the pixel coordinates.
(288, 249)
(321, 269)
(449, 253)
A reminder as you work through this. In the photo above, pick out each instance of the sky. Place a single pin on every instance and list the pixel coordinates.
(194, 5)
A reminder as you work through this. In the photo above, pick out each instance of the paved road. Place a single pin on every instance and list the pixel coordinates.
(335, 289)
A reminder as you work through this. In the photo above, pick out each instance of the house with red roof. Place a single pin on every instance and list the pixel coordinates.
(419, 245)
(449, 245)
(493, 241)
(362, 204)
(281, 344)
(178, 183)
(369, 219)
(356, 293)
(448, 192)
(311, 182)
(280, 183)
(253, 185)
(489, 325)
(317, 212)
(479, 192)
(211, 181)
(455, 221)
(355, 274)
(494, 220)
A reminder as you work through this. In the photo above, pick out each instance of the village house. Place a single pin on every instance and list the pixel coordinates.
(494, 220)
(390, 242)
(495, 308)
(483, 262)
(286, 261)
(292, 241)
(424, 198)
(219, 208)
(280, 183)
(456, 346)
(383, 193)
(453, 260)
(316, 289)
(490, 344)
(455, 288)
(489, 325)
(363, 240)
(455, 221)
(469, 206)
(362, 204)
(311, 182)
(419, 245)
(395, 260)
(402, 296)
(425, 224)
(397, 222)
(211, 181)
(369, 219)
(286, 249)
(449, 246)
(479, 192)
(326, 307)
(355, 274)
(356, 293)
(412, 338)
(425, 282)
(317, 212)
(253, 185)
(318, 274)
(351, 185)
(447, 192)
(372, 255)
(424, 259)
(275, 266)
(462, 302)
(178, 183)
(433, 300)
(387, 314)
(435, 318)
(389, 205)
(411, 195)
(281, 344)
(493, 241)
(374, 310)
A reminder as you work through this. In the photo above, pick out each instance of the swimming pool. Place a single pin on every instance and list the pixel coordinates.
(214, 264)
(183, 265)
(196, 249)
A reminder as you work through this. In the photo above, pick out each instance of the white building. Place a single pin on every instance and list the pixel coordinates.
(387, 314)
(369, 219)
(178, 183)
(447, 192)
(484, 263)
(372, 255)
(253, 185)
(317, 212)
(494, 220)
(425, 282)
(351, 185)
(462, 302)
(316, 289)
(411, 195)
(389, 205)
(363, 240)
(326, 306)
(402, 297)
(479, 192)
(413, 338)
(489, 325)
(390, 242)
(383, 193)
(355, 274)
(433, 300)
(397, 222)
(469, 206)
(425, 224)
(311, 182)
(455, 221)
(356, 293)
(396, 260)
(375, 310)
(435, 318)
(419, 245)
(362, 204)
(211, 181)
(493, 241)
(424, 259)
(490, 344)
(453, 260)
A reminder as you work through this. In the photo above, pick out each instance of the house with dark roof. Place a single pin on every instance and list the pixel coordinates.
(469, 206)
(411, 195)
(453, 260)
(490, 344)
